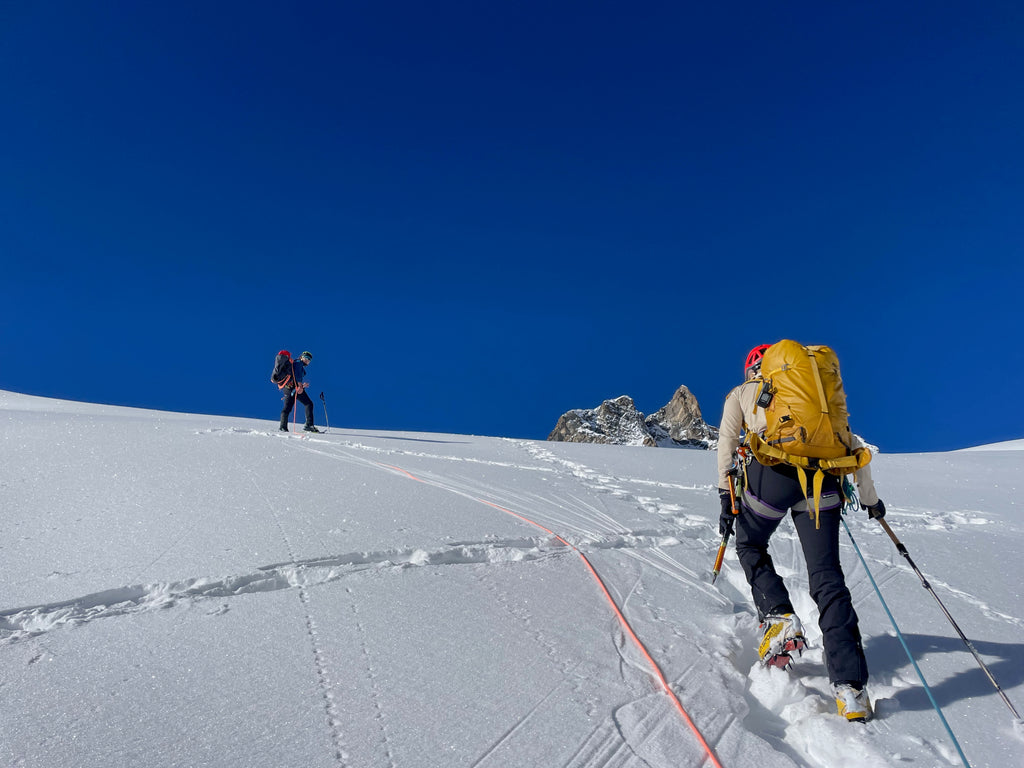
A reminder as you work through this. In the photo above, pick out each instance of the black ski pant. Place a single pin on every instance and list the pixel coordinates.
(770, 493)
(289, 400)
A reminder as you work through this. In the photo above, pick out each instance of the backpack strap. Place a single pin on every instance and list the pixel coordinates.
(769, 455)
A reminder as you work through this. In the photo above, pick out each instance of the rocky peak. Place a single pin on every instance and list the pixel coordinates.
(618, 422)
(614, 422)
(680, 423)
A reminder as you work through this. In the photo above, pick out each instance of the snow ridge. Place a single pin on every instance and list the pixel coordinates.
(17, 624)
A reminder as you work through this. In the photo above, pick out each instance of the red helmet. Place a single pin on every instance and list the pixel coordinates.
(755, 356)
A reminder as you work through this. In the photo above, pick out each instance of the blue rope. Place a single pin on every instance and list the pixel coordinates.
(850, 502)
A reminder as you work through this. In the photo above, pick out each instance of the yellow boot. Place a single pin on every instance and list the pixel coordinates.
(853, 703)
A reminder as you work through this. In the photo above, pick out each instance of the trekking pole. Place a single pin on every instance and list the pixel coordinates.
(326, 420)
(924, 582)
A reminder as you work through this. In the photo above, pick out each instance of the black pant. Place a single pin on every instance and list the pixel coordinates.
(770, 493)
(289, 401)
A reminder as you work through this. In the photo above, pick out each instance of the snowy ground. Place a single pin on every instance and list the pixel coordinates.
(202, 591)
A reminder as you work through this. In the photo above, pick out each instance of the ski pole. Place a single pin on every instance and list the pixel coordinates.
(924, 582)
(326, 420)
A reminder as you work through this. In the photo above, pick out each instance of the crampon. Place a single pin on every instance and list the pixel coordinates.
(783, 637)
(784, 658)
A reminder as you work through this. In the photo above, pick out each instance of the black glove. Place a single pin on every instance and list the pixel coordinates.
(727, 518)
(876, 511)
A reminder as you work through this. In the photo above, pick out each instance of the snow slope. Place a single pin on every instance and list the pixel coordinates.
(201, 591)
(1008, 445)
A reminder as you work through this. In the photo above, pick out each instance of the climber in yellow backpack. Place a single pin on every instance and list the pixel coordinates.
(792, 410)
(807, 424)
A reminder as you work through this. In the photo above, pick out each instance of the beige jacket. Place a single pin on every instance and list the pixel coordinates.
(738, 416)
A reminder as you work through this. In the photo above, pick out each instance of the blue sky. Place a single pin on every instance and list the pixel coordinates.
(480, 215)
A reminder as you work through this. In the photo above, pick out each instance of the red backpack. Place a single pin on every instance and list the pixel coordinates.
(283, 371)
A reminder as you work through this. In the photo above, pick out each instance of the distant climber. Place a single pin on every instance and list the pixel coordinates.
(289, 376)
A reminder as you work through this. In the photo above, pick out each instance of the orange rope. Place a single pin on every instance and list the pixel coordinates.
(407, 474)
(658, 674)
(295, 402)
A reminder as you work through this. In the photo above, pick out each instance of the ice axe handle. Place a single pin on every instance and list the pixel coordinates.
(718, 559)
(725, 539)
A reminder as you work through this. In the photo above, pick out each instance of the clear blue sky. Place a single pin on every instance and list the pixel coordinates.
(480, 215)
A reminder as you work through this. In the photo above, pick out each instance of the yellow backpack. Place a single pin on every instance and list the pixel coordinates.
(808, 425)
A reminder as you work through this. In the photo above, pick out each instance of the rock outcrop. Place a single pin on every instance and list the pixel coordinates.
(680, 423)
(614, 422)
(618, 422)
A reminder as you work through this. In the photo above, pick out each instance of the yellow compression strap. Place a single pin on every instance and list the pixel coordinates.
(818, 481)
(817, 380)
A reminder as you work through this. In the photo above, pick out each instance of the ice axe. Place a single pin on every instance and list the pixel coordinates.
(725, 539)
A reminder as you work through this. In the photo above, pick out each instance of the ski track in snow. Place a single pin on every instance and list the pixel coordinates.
(490, 755)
